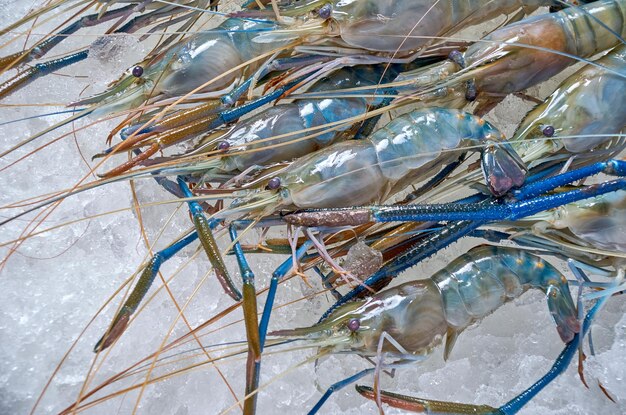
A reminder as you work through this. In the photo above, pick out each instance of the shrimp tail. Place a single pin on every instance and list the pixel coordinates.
(562, 309)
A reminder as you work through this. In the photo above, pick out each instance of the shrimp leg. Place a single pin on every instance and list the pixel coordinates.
(277, 276)
(203, 227)
(253, 365)
(337, 386)
(144, 283)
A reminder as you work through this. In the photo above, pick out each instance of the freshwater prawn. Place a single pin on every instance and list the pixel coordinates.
(519, 55)
(407, 322)
(156, 398)
(371, 170)
(391, 25)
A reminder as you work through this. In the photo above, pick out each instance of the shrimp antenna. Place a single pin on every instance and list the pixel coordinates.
(207, 11)
(79, 115)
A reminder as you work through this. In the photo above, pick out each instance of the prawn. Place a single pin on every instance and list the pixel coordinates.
(370, 170)
(392, 26)
(407, 322)
(520, 55)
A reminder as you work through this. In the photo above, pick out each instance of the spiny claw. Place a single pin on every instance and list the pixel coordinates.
(337, 217)
(209, 243)
(210, 247)
(117, 328)
(131, 163)
(18, 81)
(12, 60)
(132, 302)
(427, 406)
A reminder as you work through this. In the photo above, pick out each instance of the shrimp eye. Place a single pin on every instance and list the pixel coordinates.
(354, 324)
(457, 57)
(273, 184)
(325, 11)
(471, 93)
(548, 131)
(223, 145)
(137, 71)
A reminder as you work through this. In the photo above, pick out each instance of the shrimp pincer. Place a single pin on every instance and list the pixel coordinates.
(400, 153)
(419, 314)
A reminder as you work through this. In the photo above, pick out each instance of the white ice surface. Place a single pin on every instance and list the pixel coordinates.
(55, 282)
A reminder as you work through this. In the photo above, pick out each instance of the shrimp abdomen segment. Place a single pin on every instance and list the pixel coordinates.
(410, 142)
(476, 284)
(344, 174)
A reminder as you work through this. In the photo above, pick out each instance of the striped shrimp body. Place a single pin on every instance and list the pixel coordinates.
(408, 148)
(500, 63)
(284, 119)
(391, 25)
(585, 103)
(188, 65)
(418, 314)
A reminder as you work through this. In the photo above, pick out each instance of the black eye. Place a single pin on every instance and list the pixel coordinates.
(471, 93)
(325, 11)
(273, 184)
(548, 131)
(457, 57)
(223, 145)
(137, 71)
(354, 324)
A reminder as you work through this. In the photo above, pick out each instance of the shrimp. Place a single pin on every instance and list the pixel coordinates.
(396, 26)
(188, 65)
(410, 320)
(520, 55)
(420, 313)
(278, 121)
(599, 221)
(370, 170)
